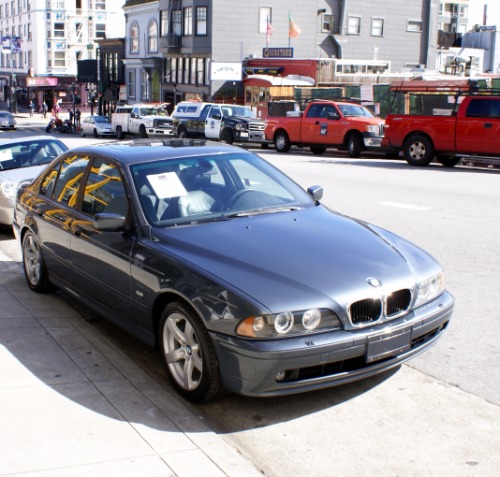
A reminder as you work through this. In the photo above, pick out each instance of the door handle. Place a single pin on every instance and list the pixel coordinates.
(488, 125)
(316, 123)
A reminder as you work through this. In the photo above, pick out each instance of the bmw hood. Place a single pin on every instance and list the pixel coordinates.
(299, 259)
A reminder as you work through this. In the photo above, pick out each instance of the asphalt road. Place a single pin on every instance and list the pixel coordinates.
(438, 414)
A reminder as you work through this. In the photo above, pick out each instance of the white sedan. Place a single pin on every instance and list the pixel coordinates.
(97, 126)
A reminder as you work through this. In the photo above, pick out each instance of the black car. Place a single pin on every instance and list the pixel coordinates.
(244, 280)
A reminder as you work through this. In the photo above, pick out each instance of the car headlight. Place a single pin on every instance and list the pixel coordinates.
(240, 127)
(429, 289)
(282, 325)
(9, 190)
(372, 129)
(149, 124)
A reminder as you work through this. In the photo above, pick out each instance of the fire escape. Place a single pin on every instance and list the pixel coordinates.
(172, 41)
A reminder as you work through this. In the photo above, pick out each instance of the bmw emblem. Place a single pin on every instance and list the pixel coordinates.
(374, 282)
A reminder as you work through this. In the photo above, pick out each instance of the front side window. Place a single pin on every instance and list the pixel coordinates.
(70, 177)
(134, 38)
(104, 190)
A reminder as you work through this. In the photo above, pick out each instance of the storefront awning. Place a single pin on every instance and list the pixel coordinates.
(291, 80)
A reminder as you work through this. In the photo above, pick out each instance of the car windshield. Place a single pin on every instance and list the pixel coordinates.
(149, 112)
(214, 187)
(238, 111)
(5, 115)
(355, 110)
(102, 119)
(25, 154)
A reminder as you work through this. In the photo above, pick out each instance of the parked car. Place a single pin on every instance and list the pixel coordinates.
(243, 279)
(22, 160)
(7, 120)
(97, 126)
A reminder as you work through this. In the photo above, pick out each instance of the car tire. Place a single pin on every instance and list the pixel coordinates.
(142, 131)
(354, 145)
(318, 150)
(418, 151)
(34, 267)
(282, 142)
(119, 133)
(188, 354)
(228, 136)
(183, 134)
(95, 133)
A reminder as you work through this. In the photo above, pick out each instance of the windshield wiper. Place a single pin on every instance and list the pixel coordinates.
(261, 210)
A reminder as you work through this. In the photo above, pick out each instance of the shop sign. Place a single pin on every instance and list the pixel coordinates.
(40, 81)
(277, 53)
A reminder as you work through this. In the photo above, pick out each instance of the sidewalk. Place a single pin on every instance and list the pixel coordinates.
(73, 404)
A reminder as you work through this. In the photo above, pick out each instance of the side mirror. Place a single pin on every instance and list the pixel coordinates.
(109, 222)
(316, 192)
(217, 116)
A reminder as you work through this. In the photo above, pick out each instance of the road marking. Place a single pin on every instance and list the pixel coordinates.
(405, 206)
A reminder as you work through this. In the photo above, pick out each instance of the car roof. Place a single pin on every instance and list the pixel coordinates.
(140, 151)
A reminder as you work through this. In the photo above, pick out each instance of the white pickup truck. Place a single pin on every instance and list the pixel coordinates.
(142, 120)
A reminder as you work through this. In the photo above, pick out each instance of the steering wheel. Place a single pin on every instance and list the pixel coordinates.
(237, 196)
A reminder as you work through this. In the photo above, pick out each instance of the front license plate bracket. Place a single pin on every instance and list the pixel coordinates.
(385, 346)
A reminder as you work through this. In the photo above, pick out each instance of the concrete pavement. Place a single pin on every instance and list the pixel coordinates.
(73, 404)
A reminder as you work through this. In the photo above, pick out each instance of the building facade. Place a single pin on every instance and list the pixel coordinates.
(42, 41)
(194, 34)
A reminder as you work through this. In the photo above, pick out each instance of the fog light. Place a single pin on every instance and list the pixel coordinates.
(283, 323)
(281, 376)
(311, 319)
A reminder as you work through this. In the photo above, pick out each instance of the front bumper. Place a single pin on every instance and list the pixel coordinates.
(159, 132)
(324, 360)
(372, 141)
(249, 136)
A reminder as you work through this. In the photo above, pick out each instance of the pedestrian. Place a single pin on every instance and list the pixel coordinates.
(71, 115)
(44, 109)
(31, 108)
(78, 115)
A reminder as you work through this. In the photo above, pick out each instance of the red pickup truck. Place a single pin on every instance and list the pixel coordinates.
(323, 124)
(472, 131)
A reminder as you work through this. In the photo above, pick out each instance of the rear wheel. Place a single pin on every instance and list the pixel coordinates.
(188, 354)
(282, 142)
(418, 151)
(119, 132)
(34, 266)
(183, 133)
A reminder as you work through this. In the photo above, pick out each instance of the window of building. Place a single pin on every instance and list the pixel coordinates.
(100, 30)
(353, 25)
(200, 71)
(152, 36)
(177, 22)
(414, 25)
(163, 22)
(265, 16)
(327, 23)
(201, 21)
(59, 59)
(134, 38)
(100, 4)
(377, 27)
(192, 77)
(188, 21)
(131, 85)
(59, 30)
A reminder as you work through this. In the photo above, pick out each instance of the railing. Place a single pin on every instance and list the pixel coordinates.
(171, 41)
